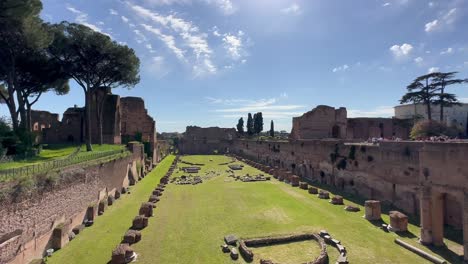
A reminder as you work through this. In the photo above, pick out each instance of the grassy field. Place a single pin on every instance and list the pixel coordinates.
(191, 221)
(53, 152)
(95, 244)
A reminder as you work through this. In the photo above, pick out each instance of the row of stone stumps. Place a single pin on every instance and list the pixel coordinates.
(123, 253)
(59, 235)
(398, 220)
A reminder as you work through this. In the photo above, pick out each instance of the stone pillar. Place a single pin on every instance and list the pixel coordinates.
(426, 216)
(465, 226)
(372, 210)
(437, 218)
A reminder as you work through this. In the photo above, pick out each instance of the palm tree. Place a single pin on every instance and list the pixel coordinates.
(421, 90)
(441, 81)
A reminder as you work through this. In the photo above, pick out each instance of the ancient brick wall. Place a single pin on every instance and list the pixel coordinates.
(135, 119)
(69, 130)
(36, 217)
(364, 128)
(107, 105)
(43, 119)
(322, 122)
(206, 140)
(389, 171)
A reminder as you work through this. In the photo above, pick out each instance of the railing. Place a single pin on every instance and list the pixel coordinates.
(72, 159)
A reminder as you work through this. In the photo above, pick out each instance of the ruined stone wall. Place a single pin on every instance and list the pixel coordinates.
(443, 169)
(107, 105)
(43, 119)
(69, 130)
(322, 122)
(135, 119)
(26, 227)
(206, 140)
(365, 128)
(389, 172)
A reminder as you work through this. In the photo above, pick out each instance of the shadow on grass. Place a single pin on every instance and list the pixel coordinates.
(447, 254)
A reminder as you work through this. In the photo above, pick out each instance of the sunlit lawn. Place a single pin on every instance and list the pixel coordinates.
(57, 151)
(95, 243)
(191, 221)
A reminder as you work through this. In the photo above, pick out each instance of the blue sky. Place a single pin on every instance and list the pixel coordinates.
(209, 62)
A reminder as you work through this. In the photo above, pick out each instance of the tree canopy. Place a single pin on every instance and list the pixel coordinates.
(93, 60)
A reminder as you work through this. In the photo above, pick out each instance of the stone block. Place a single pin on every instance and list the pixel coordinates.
(337, 200)
(153, 199)
(146, 209)
(323, 194)
(372, 210)
(303, 185)
(351, 208)
(131, 237)
(122, 254)
(294, 179)
(139, 222)
(234, 254)
(231, 240)
(313, 190)
(398, 221)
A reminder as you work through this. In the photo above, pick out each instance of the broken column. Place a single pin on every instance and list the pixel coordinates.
(373, 210)
(437, 203)
(426, 216)
(398, 221)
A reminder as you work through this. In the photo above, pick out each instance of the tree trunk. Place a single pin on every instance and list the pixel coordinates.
(87, 116)
(11, 103)
(429, 114)
(442, 105)
(28, 118)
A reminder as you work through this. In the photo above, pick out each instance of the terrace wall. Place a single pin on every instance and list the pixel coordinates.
(26, 227)
(390, 172)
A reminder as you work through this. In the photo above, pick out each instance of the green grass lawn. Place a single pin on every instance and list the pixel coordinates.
(95, 243)
(57, 151)
(191, 221)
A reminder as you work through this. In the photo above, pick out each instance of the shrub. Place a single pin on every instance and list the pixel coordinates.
(430, 128)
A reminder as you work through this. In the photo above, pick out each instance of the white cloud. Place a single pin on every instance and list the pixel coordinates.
(344, 67)
(167, 39)
(113, 12)
(418, 60)
(401, 51)
(125, 19)
(233, 46)
(386, 4)
(268, 106)
(380, 111)
(140, 37)
(82, 18)
(158, 67)
(226, 6)
(190, 34)
(433, 69)
(431, 26)
(447, 51)
(293, 9)
(442, 22)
